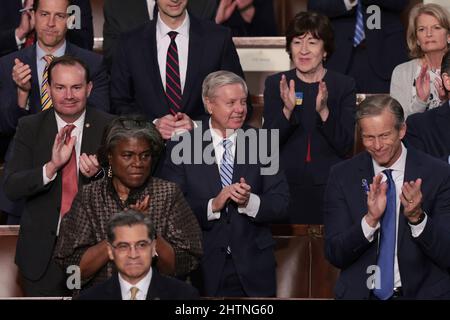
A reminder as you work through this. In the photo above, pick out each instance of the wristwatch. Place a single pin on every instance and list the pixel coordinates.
(420, 220)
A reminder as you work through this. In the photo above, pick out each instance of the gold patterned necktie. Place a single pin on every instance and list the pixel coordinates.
(46, 101)
(134, 291)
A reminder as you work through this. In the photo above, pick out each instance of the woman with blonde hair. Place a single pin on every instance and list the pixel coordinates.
(416, 84)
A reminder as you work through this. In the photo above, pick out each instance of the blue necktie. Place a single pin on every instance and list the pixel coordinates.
(359, 26)
(226, 166)
(387, 242)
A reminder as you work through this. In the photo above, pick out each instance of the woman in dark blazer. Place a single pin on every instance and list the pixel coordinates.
(314, 110)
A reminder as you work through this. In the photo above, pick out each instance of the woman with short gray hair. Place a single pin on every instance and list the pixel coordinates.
(131, 146)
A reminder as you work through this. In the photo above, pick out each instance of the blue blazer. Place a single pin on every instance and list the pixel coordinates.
(136, 85)
(423, 261)
(386, 46)
(161, 288)
(10, 20)
(250, 239)
(429, 131)
(10, 112)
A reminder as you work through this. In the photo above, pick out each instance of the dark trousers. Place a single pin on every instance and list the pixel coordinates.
(230, 284)
(51, 284)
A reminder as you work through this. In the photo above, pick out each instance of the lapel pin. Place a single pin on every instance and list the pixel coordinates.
(87, 125)
(365, 185)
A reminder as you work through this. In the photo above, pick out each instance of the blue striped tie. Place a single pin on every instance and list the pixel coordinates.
(387, 242)
(359, 26)
(226, 166)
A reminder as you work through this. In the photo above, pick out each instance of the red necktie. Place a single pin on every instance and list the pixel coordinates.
(69, 178)
(173, 82)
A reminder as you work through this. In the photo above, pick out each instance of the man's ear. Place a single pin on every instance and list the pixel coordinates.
(110, 252)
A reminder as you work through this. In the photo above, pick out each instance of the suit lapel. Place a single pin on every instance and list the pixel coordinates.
(155, 288)
(113, 291)
(36, 90)
(366, 173)
(195, 54)
(210, 170)
(151, 54)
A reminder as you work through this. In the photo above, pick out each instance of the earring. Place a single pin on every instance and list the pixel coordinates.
(110, 172)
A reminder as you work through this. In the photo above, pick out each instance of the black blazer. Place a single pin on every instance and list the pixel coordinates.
(136, 85)
(250, 239)
(32, 148)
(10, 112)
(423, 261)
(429, 131)
(10, 20)
(161, 288)
(386, 46)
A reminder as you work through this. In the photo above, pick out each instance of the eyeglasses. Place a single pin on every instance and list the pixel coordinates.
(125, 247)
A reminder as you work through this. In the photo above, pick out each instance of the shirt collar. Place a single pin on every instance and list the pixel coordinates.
(143, 285)
(79, 123)
(163, 29)
(40, 53)
(398, 165)
(217, 138)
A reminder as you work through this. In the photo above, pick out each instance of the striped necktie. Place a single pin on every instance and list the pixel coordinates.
(386, 255)
(226, 166)
(46, 101)
(173, 81)
(359, 26)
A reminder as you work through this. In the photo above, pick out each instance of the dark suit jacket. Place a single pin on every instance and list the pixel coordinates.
(10, 112)
(32, 148)
(123, 16)
(429, 131)
(331, 141)
(136, 85)
(423, 261)
(161, 288)
(386, 46)
(250, 239)
(10, 20)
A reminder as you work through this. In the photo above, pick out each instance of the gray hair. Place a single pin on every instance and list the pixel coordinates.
(127, 127)
(375, 105)
(218, 79)
(129, 218)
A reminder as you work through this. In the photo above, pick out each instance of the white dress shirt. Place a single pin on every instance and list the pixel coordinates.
(398, 174)
(254, 201)
(142, 285)
(163, 42)
(151, 7)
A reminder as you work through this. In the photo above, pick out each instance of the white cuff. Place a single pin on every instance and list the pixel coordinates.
(252, 207)
(368, 230)
(18, 41)
(418, 229)
(210, 214)
(44, 176)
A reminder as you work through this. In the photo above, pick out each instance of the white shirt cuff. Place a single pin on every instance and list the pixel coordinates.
(418, 229)
(349, 4)
(44, 175)
(19, 42)
(210, 214)
(252, 207)
(368, 230)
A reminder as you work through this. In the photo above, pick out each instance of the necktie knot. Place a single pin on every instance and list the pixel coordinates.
(49, 58)
(226, 144)
(69, 129)
(172, 35)
(388, 173)
(133, 291)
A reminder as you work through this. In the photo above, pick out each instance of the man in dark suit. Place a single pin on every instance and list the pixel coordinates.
(16, 26)
(380, 49)
(53, 152)
(388, 234)
(131, 245)
(428, 131)
(237, 196)
(123, 16)
(21, 94)
(168, 90)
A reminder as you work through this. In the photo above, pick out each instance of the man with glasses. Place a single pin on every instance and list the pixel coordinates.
(132, 246)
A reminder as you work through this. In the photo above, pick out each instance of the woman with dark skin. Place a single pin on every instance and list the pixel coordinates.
(132, 146)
